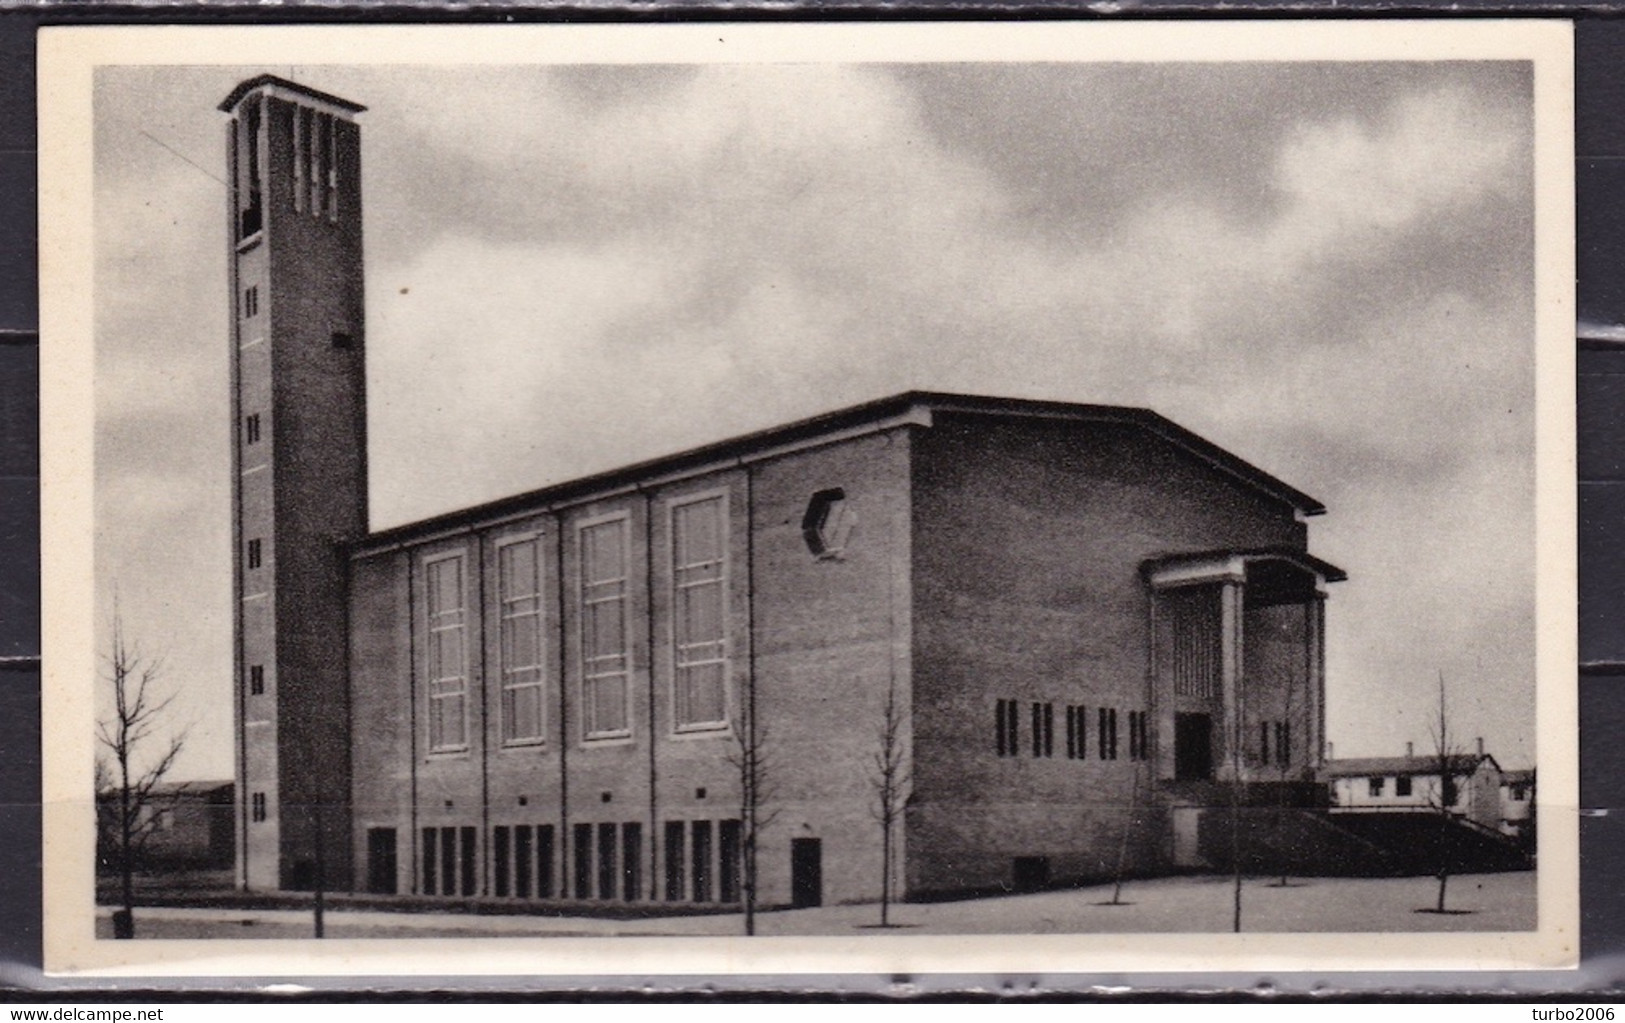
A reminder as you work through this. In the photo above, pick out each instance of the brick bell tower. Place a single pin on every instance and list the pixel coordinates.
(299, 460)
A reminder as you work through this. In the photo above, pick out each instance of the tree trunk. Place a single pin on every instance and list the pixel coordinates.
(1122, 839)
(750, 873)
(885, 868)
(124, 924)
(321, 874)
(1235, 913)
(1235, 828)
(1447, 793)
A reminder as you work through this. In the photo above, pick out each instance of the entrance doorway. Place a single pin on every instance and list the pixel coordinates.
(381, 861)
(806, 872)
(1193, 747)
(1030, 873)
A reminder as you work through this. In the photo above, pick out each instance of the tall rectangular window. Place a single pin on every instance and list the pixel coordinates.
(301, 144)
(250, 212)
(524, 861)
(251, 301)
(1076, 732)
(1007, 725)
(729, 846)
(607, 864)
(699, 611)
(1043, 729)
(318, 162)
(1264, 741)
(431, 861)
(674, 861)
(519, 593)
(500, 863)
(631, 861)
(251, 429)
(1283, 743)
(469, 859)
(258, 806)
(332, 183)
(1139, 735)
(446, 670)
(1197, 623)
(448, 861)
(604, 641)
(1106, 734)
(701, 835)
(582, 840)
(256, 556)
(544, 861)
(256, 680)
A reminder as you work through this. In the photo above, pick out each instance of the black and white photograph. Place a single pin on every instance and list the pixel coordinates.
(776, 496)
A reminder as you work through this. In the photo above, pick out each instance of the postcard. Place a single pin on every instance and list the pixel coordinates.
(667, 499)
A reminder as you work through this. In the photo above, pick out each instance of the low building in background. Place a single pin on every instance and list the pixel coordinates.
(1470, 789)
(182, 825)
(1518, 805)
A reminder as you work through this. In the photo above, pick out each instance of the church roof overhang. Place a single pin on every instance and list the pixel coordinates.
(276, 84)
(1271, 574)
(910, 409)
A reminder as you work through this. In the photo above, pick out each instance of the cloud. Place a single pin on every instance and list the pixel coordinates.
(1352, 182)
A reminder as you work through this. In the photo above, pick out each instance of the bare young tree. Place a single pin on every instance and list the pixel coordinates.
(1235, 824)
(1283, 767)
(750, 757)
(1447, 761)
(1122, 838)
(891, 779)
(136, 773)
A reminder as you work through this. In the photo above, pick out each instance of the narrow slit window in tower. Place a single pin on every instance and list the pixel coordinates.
(332, 149)
(250, 214)
(301, 132)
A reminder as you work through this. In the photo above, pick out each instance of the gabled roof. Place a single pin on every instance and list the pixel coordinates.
(1356, 767)
(1525, 776)
(244, 88)
(911, 408)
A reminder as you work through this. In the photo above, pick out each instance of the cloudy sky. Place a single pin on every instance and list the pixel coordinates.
(1326, 268)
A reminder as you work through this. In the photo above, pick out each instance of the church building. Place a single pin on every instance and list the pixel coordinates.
(1090, 625)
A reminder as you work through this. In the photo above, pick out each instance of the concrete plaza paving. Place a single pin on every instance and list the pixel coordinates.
(1201, 904)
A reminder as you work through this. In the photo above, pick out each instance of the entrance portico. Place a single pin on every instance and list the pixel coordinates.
(1238, 664)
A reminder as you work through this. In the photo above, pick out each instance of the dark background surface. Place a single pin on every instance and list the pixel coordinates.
(1600, 182)
(1599, 147)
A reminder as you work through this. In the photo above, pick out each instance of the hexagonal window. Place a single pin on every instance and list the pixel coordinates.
(828, 523)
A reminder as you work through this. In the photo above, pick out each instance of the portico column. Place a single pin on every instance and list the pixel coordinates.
(1315, 681)
(1230, 676)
